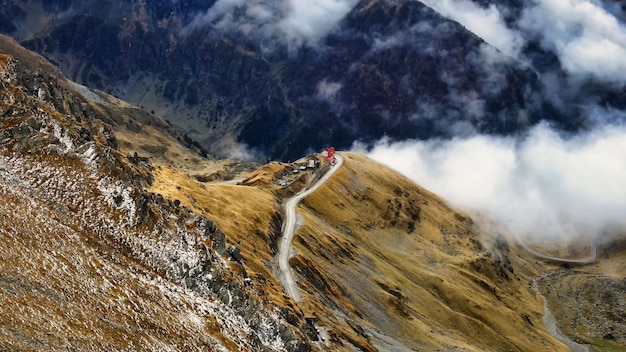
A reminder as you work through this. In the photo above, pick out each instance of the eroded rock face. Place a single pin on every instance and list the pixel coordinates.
(389, 68)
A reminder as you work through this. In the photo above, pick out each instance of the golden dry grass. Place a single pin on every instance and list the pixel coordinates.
(239, 211)
(69, 283)
(266, 176)
(248, 216)
(146, 137)
(412, 266)
(28, 58)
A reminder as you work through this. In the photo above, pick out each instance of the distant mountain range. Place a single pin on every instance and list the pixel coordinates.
(243, 88)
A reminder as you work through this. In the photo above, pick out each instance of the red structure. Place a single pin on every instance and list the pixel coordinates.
(330, 154)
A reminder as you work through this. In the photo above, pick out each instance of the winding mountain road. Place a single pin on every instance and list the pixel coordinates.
(548, 319)
(550, 324)
(289, 228)
(590, 259)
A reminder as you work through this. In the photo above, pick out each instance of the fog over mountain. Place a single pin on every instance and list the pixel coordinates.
(486, 22)
(587, 38)
(545, 183)
(276, 79)
(291, 22)
(307, 74)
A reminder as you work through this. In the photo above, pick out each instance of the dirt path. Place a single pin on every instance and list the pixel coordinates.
(550, 324)
(289, 227)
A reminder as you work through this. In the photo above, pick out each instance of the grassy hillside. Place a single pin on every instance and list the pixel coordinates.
(382, 262)
(91, 259)
(377, 247)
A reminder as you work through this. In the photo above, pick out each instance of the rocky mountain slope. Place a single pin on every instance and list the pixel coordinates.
(119, 235)
(394, 68)
(589, 302)
(91, 260)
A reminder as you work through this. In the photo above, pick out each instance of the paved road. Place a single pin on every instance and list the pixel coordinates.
(548, 319)
(289, 227)
(590, 259)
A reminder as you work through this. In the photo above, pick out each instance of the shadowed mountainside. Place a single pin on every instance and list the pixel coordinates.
(394, 68)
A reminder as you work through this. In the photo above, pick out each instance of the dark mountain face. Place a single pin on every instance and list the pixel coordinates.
(399, 69)
(389, 68)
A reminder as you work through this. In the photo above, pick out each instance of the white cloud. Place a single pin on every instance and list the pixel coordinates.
(487, 23)
(311, 19)
(328, 90)
(294, 22)
(544, 186)
(588, 39)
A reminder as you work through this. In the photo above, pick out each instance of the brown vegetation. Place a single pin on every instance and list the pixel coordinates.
(405, 264)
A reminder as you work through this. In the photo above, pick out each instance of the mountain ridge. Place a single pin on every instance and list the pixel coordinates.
(394, 68)
(90, 214)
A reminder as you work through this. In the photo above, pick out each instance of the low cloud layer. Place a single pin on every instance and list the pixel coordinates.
(486, 23)
(293, 22)
(588, 39)
(311, 19)
(544, 186)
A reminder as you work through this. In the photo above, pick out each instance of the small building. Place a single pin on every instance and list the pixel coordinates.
(330, 154)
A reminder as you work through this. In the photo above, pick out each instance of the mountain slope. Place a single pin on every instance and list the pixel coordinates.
(91, 260)
(588, 301)
(394, 68)
(379, 249)
(110, 241)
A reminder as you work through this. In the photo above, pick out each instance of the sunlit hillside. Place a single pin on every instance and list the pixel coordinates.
(93, 261)
(416, 273)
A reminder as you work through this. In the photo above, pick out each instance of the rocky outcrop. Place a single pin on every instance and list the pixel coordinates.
(587, 302)
(57, 153)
